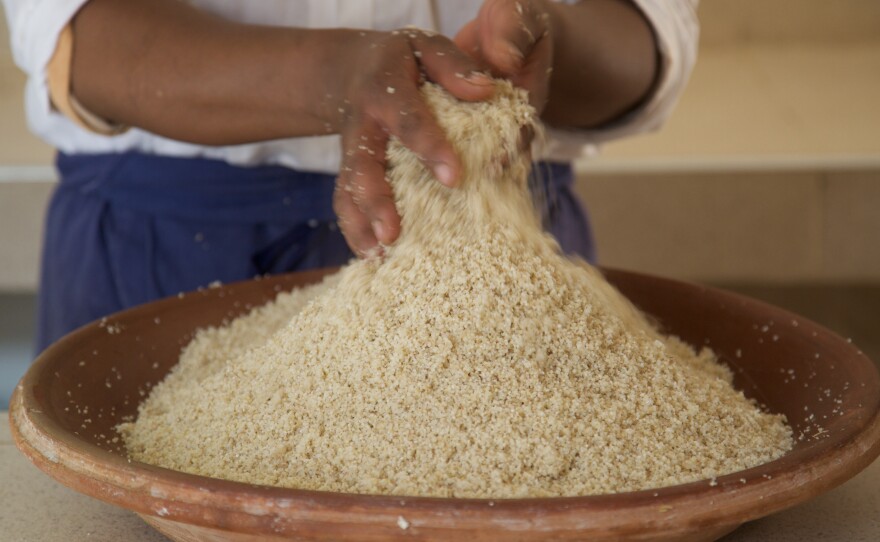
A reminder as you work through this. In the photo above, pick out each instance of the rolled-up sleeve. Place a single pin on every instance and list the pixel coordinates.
(676, 30)
(34, 27)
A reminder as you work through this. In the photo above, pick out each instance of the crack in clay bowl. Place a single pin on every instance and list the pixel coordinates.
(65, 408)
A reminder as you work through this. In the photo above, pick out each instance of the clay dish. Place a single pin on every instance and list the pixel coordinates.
(64, 410)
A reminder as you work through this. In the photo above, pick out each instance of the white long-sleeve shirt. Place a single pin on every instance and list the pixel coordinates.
(36, 24)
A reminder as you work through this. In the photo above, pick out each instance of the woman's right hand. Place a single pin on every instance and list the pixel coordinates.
(231, 83)
(381, 100)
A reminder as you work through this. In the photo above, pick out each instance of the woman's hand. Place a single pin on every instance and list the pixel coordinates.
(233, 83)
(513, 39)
(382, 100)
(584, 64)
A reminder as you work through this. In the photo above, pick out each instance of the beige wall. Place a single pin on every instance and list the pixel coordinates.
(769, 169)
(740, 227)
(21, 229)
(735, 22)
(17, 145)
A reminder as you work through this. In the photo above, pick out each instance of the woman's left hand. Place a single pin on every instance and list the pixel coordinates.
(512, 38)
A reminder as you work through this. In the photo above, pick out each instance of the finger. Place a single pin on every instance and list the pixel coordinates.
(353, 223)
(508, 32)
(363, 176)
(447, 65)
(536, 73)
(526, 136)
(410, 119)
(468, 40)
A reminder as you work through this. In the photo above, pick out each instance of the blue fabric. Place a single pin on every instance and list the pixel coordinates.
(125, 229)
(563, 214)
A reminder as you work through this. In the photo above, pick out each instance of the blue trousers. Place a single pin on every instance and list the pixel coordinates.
(128, 228)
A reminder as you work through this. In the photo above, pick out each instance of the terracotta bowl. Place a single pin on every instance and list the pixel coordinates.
(64, 410)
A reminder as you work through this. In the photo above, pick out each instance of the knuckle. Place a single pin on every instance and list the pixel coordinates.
(360, 152)
(411, 124)
(375, 202)
(432, 144)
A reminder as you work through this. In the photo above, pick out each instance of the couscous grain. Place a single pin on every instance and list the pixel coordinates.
(472, 360)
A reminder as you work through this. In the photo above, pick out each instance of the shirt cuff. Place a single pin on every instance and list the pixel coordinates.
(35, 26)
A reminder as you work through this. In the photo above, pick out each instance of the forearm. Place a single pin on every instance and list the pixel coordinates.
(173, 70)
(169, 68)
(604, 62)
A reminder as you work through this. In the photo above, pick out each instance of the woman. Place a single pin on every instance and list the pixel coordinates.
(222, 139)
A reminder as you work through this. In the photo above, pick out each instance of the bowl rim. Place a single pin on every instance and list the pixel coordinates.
(248, 508)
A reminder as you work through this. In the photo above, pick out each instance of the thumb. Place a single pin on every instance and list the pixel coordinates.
(467, 39)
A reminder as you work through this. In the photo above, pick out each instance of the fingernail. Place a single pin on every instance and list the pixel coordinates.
(479, 78)
(444, 174)
(380, 231)
(515, 51)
